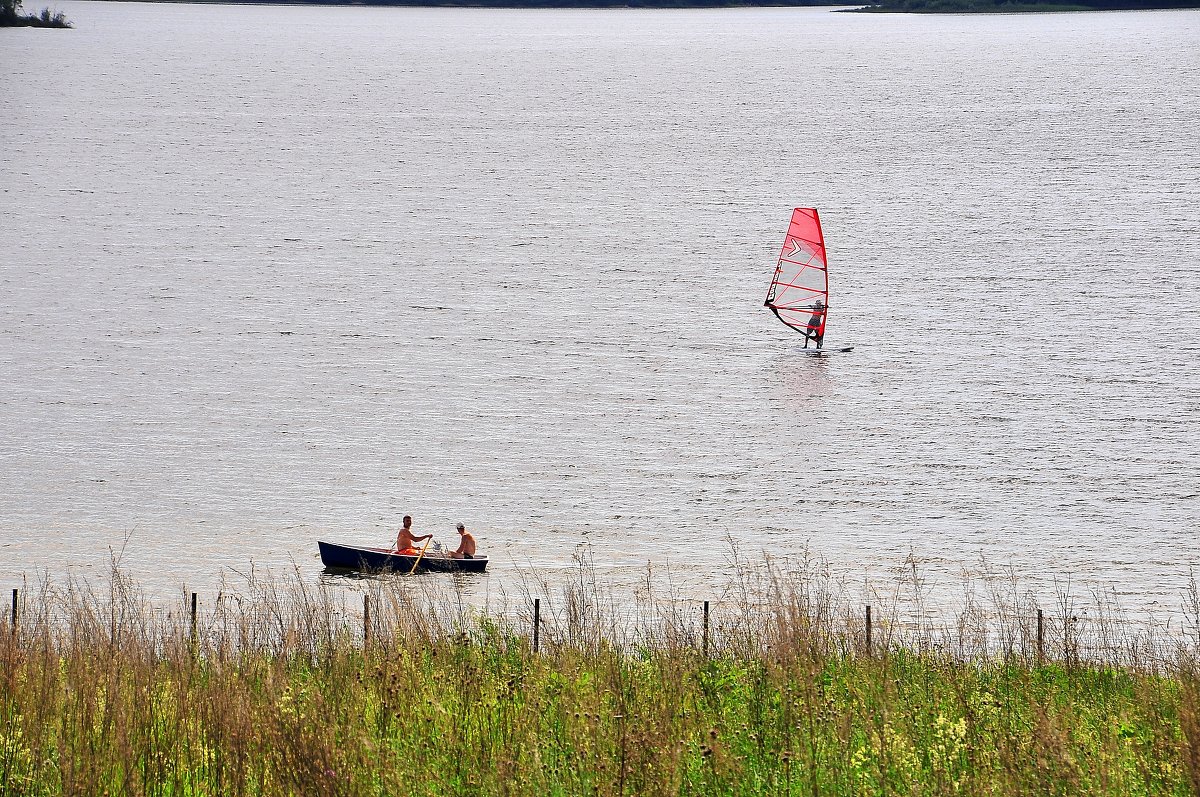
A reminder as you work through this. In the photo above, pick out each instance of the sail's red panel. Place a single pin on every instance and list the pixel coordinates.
(799, 292)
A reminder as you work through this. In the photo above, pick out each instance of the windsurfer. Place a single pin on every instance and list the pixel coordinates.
(405, 541)
(466, 548)
(816, 323)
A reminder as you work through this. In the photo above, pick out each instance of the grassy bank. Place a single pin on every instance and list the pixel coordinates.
(277, 692)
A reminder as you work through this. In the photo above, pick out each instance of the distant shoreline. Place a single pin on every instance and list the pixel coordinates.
(46, 19)
(1009, 7)
(557, 4)
(884, 7)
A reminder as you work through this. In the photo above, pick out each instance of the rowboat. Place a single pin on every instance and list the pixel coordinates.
(354, 557)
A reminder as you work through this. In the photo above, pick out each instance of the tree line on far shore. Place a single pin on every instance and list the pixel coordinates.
(11, 16)
(1017, 6)
(927, 6)
(555, 3)
(10, 10)
(924, 6)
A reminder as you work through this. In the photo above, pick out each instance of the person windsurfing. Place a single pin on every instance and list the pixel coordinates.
(816, 324)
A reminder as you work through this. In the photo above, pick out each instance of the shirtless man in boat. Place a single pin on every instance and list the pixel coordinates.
(405, 541)
(466, 548)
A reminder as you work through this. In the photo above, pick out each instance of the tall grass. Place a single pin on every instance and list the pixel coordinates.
(280, 688)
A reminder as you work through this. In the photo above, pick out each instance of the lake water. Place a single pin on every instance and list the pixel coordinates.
(270, 275)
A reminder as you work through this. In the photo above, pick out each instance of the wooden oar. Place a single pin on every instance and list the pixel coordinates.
(422, 553)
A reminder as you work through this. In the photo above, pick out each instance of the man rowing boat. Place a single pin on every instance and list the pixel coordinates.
(405, 541)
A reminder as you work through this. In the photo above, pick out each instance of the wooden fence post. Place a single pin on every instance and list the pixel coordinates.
(705, 629)
(195, 630)
(869, 645)
(537, 622)
(13, 627)
(366, 621)
(1041, 637)
(1070, 642)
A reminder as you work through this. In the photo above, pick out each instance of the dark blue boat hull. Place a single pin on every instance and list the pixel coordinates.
(350, 557)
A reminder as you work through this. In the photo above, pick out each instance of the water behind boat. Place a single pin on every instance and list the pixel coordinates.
(279, 274)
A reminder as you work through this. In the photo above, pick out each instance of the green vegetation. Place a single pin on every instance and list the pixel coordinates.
(278, 693)
(11, 16)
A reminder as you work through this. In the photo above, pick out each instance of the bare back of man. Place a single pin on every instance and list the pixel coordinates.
(466, 545)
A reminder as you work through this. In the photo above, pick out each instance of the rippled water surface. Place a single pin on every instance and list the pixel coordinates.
(270, 275)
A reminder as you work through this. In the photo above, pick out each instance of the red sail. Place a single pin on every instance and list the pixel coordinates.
(799, 292)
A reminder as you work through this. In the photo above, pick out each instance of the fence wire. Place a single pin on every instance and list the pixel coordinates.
(775, 609)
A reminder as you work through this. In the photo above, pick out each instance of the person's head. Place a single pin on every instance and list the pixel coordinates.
(407, 521)
(818, 304)
(461, 528)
